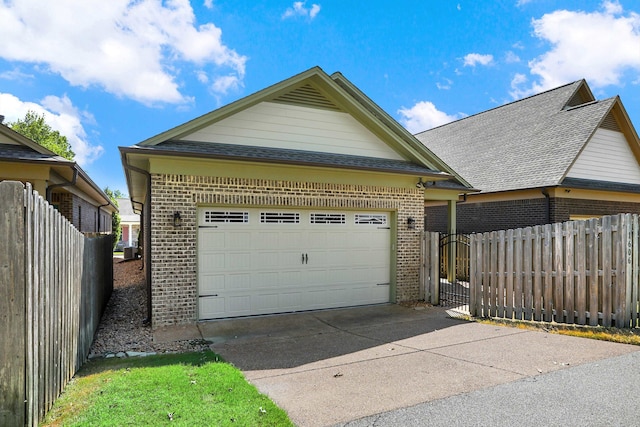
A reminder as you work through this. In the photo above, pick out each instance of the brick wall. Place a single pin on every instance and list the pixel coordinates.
(173, 257)
(489, 216)
(82, 214)
(562, 209)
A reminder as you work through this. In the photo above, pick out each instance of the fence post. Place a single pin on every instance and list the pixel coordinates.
(473, 282)
(630, 254)
(435, 268)
(12, 305)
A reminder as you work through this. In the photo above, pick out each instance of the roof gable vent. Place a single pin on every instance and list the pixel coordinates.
(610, 123)
(582, 96)
(307, 96)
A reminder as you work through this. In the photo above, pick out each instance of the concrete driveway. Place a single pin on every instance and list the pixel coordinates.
(335, 366)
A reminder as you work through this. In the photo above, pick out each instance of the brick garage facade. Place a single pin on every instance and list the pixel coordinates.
(504, 215)
(174, 293)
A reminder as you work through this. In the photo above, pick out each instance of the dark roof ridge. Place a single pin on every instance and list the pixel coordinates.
(504, 105)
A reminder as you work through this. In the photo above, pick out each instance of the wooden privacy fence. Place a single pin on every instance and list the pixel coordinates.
(430, 267)
(578, 272)
(54, 285)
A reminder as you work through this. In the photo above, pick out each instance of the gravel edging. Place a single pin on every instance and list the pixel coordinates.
(123, 330)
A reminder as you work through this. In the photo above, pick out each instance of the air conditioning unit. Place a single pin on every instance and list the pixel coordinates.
(130, 252)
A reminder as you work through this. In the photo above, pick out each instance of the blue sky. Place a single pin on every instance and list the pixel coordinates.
(114, 73)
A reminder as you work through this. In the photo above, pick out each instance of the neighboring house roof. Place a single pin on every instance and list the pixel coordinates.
(127, 215)
(10, 152)
(16, 148)
(312, 88)
(530, 143)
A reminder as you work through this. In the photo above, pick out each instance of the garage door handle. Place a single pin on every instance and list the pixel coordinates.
(305, 258)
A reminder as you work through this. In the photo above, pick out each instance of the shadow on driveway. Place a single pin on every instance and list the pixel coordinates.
(293, 340)
(335, 366)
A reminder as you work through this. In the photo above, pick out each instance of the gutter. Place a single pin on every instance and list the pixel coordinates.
(100, 207)
(64, 184)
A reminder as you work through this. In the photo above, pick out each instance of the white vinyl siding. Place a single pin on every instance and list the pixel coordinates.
(277, 125)
(607, 157)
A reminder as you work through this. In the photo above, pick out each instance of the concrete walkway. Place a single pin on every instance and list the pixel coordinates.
(336, 366)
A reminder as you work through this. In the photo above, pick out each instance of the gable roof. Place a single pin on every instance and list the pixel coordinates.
(529, 143)
(16, 148)
(316, 89)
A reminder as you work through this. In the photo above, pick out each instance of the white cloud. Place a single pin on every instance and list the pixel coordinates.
(600, 46)
(511, 58)
(473, 59)
(62, 116)
(225, 83)
(423, 116)
(299, 9)
(446, 85)
(131, 49)
(208, 4)
(15, 74)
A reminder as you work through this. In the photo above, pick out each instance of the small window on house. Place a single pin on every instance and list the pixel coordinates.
(79, 218)
(371, 219)
(279, 217)
(328, 218)
(226, 217)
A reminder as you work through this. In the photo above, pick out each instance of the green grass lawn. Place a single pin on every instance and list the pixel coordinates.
(192, 389)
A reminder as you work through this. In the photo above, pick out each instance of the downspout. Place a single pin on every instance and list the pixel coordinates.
(100, 207)
(545, 192)
(146, 234)
(64, 184)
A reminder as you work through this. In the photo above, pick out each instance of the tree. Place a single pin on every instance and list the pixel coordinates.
(115, 217)
(36, 128)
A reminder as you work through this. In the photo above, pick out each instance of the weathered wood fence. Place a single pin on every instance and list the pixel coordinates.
(430, 267)
(577, 272)
(54, 286)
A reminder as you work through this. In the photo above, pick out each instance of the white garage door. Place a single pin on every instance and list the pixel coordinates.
(259, 261)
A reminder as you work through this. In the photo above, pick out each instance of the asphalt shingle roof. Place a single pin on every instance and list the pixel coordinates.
(24, 153)
(529, 143)
(288, 156)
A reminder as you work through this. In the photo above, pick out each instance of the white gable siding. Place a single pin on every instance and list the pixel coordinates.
(276, 125)
(607, 157)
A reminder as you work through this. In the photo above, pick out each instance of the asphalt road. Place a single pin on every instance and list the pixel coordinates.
(602, 393)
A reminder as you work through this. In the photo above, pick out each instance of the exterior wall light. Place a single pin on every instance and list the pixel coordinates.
(177, 219)
(424, 184)
(411, 223)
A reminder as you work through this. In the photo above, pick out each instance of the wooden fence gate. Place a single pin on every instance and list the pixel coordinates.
(444, 283)
(454, 276)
